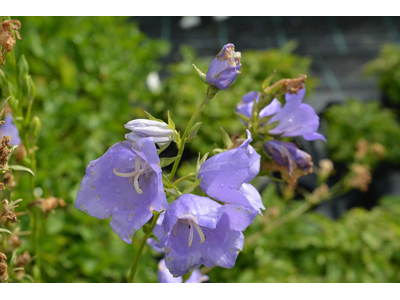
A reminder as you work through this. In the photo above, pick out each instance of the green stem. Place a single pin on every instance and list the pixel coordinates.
(211, 91)
(184, 178)
(138, 254)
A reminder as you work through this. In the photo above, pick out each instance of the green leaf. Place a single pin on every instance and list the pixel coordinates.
(200, 161)
(268, 80)
(243, 117)
(193, 132)
(167, 182)
(4, 103)
(191, 187)
(226, 139)
(166, 161)
(5, 230)
(175, 193)
(21, 168)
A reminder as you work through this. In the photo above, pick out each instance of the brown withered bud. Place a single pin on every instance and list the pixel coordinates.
(8, 210)
(4, 151)
(50, 204)
(326, 169)
(22, 260)
(7, 39)
(8, 179)
(359, 177)
(3, 268)
(378, 150)
(362, 149)
(15, 242)
(291, 86)
(20, 152)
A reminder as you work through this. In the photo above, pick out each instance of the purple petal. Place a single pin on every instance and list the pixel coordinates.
(10, 129)
(197, 277)
(164, 276)
(271, 109)
(104, 194)
(159, 232)
(314, 136)
(253, 196)
(202, 210)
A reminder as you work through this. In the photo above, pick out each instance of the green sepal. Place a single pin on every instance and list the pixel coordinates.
(191, 187)
(21, 168)
(193, 132)
(201, 74)
(167, 182)
(243, 117)
(173, 192)
(200, 161)
(166, 161)
(267, 81)
(152, 118)
(226, 139)
(171, 123)
(4, 230)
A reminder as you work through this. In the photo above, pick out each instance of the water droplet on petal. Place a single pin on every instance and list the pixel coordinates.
(117, 190)
(222, 184)
(130, 217)
(232, 186)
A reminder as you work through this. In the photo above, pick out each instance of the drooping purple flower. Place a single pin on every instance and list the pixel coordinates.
(10, 129)
(225, 67)
(289, 156)
(161, 133)
(125, 183)
(296, 119)
(226, 176)
(202, 231)
(164, 276)
(245, 107)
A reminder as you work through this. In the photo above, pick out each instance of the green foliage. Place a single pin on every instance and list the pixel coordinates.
(355, 120)
(387, 70)
(183, 90)
(90, 74)
(362, 246)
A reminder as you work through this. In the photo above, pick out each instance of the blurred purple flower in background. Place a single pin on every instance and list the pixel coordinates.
(225, 67)
(164, 276)
(296, 119)
(124, 183)
(226, 176)
(288, 155)
(202, 231)
(9, 128)
(245, 107)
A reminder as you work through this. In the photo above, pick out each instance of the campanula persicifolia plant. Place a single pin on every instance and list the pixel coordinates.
(202, 223)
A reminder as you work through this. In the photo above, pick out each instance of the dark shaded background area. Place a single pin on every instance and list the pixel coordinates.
(339, 47)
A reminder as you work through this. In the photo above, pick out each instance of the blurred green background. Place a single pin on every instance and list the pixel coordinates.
(91, 76)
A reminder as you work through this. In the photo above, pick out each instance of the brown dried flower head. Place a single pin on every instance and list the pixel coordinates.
(7, 39)
(288, 85)
(3, 268)
(359, 177)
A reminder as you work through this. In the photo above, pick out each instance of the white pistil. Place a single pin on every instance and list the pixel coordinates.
(136, 184)
(191, 232)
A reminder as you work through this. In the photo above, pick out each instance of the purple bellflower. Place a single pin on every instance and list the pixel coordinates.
(225, 67)
(288, 155)
(245, 107)
(10, 129)
(164, 276)
(125, 183)
(226, 176)
(296, 119)
(202, 231)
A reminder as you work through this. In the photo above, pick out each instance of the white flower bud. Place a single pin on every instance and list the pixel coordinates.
(142, 128)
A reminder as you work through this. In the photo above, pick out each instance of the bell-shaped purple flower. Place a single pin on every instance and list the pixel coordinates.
(245, 107)
(226, 176)
(164, 276)
(202, 231)
(289, 156)
(125, 183)
(10, 129)
(296, 119)
(224, 69)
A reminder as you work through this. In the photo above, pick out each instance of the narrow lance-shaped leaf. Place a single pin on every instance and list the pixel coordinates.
(226, 139)
(166, 161)
(191, 187)
(21, 168)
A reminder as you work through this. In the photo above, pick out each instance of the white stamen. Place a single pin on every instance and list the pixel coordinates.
(191, 232)
(200, 232)
(131, 174)
(137, 163)
(136, 184)
(237, 55)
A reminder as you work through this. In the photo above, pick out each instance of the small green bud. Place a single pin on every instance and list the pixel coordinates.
(36, 126)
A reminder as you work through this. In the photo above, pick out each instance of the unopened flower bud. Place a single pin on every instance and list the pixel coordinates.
(224, 69)
(325, 169)
(142, 128)
(359, 177)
